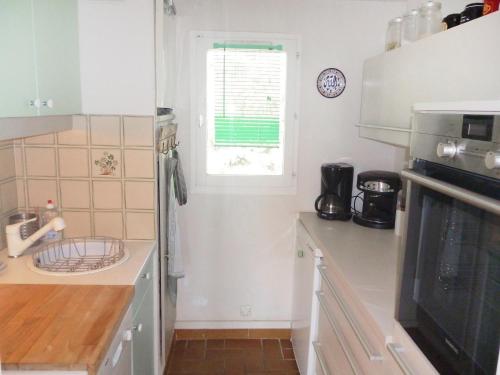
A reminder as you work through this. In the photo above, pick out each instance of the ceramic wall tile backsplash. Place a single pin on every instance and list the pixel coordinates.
(140, 225)
(108, 195)
(105, 130)
(39, 191)
(45, 139)
(108, 224)
(137, 131)
(75, 194)
(78, 224)
(73, 162)
(139, 194)
(7, 163)
(40, 161)
(8, 195)
(107, 163)
(78, 136)
(139, 163)
(100, 174)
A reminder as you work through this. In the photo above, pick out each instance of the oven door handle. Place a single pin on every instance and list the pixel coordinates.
(464, 195)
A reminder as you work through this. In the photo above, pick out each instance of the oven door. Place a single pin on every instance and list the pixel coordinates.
(449, 300)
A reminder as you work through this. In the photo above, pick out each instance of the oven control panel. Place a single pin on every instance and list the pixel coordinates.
(468, 142)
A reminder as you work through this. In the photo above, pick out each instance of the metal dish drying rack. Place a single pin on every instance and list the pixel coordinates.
(78, 254)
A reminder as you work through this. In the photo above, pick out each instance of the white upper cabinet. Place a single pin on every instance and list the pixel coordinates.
(17, 62)
(457, 65)
(39, 64)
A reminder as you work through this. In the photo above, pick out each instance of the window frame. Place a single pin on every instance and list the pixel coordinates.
(201, 182)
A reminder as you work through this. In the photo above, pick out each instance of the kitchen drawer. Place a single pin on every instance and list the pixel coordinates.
(367, 348)
(143, 282)
(332, 352)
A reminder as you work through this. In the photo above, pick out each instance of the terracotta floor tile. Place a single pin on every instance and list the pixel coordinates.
(191, 354)
(286, 343)
(180, 343)
(280, 365)
(233, 356)
(234, 371)
(215, 354)
(253, 354)
(255, 366)
(215, 344)
(196, 344)
(214, 365)
(234, 366)
(270, 343)
(226, 333)
(288, 354)
(184, 366)
(243, 344)
(273, 354)
(190, 334)
(269, 334)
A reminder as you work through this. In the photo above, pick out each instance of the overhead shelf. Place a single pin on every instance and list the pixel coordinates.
(470, 107)
(12, 128)
(452, 71)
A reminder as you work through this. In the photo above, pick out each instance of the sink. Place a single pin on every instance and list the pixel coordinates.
(77, 256)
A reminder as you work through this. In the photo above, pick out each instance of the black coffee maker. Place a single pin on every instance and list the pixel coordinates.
(379, 191)
(334, 203)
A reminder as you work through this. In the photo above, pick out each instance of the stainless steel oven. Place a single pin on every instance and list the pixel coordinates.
(449, 292)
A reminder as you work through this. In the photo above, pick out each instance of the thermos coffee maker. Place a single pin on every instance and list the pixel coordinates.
(379, 191)
(334, 203)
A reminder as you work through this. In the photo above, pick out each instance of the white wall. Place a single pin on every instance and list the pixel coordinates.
(117, 59)
(239, 249)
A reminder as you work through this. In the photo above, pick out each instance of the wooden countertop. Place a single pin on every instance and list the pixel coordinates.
(59, 327)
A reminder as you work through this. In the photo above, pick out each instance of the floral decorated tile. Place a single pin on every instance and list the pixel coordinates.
(106, 163)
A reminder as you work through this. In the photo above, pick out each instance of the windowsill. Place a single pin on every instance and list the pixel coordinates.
(240, 190)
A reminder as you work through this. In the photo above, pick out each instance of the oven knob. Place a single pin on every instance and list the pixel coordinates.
(492, 160)
(446, 150)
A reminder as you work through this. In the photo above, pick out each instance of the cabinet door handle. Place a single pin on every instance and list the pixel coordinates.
(49, 103)
(396, 351)
(321, 358)
(345, 348)
(35, 103)
(368, 348)
(146, 276)
(137, 327)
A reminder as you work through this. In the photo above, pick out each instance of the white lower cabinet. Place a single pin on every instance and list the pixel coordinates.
(143, 337)
(118, 359)
(132, 351)
(305, 306)
(144, 340)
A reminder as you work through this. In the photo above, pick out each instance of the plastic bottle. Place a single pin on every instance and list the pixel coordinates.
(48, 214)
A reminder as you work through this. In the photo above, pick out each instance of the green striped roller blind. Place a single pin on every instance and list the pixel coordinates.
(247, 88)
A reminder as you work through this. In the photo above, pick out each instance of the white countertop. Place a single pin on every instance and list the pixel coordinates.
(367, 258)
(18, 272)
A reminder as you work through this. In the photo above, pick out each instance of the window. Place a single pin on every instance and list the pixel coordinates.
(244, 112)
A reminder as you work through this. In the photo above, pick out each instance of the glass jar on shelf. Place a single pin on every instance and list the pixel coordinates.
(429, 19)
(409, 32)
(393, 36)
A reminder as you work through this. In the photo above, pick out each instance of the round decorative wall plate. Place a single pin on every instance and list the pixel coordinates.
(331, 83)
